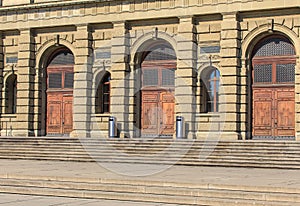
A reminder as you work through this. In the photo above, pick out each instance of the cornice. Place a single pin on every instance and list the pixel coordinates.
(49, 4)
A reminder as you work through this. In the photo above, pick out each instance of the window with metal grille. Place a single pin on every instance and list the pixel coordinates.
(55, 80)
(168, 77)
(262, 73)
(69, 80)
(102, 100)
(150, 77)
(285, 72)
(62, 58)
(160, 52)
(275, 47)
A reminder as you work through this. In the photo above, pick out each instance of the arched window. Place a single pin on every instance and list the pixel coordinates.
(103, 95)
(210, 82)
(11, 94)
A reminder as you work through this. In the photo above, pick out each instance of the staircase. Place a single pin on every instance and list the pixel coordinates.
(257, 154)
(158, 192)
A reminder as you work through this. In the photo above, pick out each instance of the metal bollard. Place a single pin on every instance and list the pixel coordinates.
(112, 127)
(180, 127)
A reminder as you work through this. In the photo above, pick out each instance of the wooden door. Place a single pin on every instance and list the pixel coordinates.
(150, 107)
(284, 115)
(54, 113)
(157, 113)
(274, 112)
(167, 113)
(273, 86)
(59, 100)
(67, 114)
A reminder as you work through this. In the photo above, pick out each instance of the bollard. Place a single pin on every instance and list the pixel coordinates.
(180, 127)
(112, 127)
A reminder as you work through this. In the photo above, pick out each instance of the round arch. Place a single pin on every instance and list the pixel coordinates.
(155, 65)
(48, 48)
(271, 64)
(55, 69)
(145, 41)
(261, 32)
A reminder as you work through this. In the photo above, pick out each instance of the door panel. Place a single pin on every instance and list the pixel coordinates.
(157, 113)
(273, 111)
(54, 116)
(150, 113)
(285, 114)
(167, 116)
(67, 123)
(262, 112)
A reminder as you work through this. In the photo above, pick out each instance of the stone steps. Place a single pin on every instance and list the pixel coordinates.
(151, 191)
(260, 154)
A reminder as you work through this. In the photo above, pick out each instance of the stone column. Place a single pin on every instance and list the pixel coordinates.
(230, 68)
(25, 86)
(185, 82)
(119, 92)
(82, 82)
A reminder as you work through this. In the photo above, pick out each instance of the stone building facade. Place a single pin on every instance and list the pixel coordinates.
(229, 67)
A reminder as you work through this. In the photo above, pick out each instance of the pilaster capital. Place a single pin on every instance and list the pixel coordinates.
(232, 15)
(186, 19)
(25, 31)
(120, 25)
(83, 27)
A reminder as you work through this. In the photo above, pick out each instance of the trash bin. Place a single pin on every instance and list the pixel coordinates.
(112, 127)
(180, 127)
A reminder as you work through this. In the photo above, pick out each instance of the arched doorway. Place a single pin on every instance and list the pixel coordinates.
(158, 67)
(59, 93)
(273, 88)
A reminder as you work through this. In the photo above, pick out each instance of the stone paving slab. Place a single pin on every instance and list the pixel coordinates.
(253, 177)
(29, 200)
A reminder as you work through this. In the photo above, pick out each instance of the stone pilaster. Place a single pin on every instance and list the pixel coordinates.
(119, 57)
(185, 82)
(1, 75)
(230, 68)
(297, 98)
(25, 88)
(82, 92)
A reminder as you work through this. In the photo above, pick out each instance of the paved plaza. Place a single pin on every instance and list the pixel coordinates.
(28, 200)
(281, 178)
(222, 177)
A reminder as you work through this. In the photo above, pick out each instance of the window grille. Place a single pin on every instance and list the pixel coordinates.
(285, 72)
(168, 77)
(62, 58)
(262, 73)
(55, 80)
(150, 77)
(160, 53)
(69, 80)
(275, 47)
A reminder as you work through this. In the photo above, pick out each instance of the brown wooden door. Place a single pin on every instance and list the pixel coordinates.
(59, 113)
(157, 113)
(167, 113)
(274, 111)
(284, 115)
(59, 101)
(54, 113)
(273, 88)
(67, 114)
